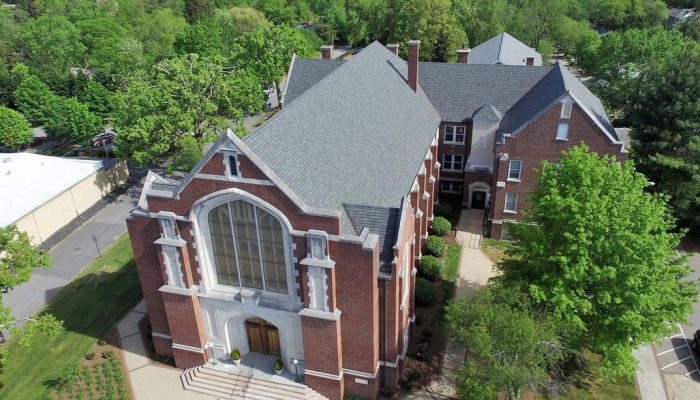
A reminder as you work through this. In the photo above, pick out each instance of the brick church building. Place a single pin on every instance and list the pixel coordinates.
(300, 241)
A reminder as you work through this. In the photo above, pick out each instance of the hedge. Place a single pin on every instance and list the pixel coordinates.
(441, 226)
(435, 246)
(430, 266)
(426, 294)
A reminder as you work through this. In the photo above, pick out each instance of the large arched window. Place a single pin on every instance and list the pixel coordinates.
(248, 247)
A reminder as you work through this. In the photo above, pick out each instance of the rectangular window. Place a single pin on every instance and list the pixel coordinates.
(317, 247)
(511, 202)
(563, 131)
(232, 165)
(452, 162)
(172, 266)
(454, 134)
(168, 225)
(505, 232)
(317, 288)
(566, 110)
(514, 170)
(406, 276)
(450, 186)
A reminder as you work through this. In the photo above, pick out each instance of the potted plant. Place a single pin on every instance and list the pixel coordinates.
(278, 366)
(236, 356)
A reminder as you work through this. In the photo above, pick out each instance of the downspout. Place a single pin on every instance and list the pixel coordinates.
(383, 309)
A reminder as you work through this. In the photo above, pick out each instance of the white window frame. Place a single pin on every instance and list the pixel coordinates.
(566, 107)
(454, 132)
(452, 162)
(511, 169)
(165, 232)
(310, 250)
(561, 129)
(515, 204)
(227, 159)
(452, 186)
(173, 269)
(405, 275)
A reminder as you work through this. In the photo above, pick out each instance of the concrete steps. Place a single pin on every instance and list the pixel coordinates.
(224, 385)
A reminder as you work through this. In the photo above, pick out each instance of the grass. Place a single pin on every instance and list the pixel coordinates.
(450, 260)
(89, 306)
(588, 384)
(494, 249)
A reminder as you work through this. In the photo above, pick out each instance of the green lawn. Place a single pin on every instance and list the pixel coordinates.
(495, 249)
(450, 260)
(89, 307)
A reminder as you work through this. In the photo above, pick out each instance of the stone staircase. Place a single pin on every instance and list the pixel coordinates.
(224, 385)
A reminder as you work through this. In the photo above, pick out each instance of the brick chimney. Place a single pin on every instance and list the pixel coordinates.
(413, 55)
(530, 61)
(393, 47)
(327, 52)
(463, 55)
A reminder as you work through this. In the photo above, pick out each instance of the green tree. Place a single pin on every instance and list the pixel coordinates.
(157, 32)
(98, 98)
(365, 20)
(51, 46)
(184, 96)
(691, 28)
(196, 9)
(596, 251)
(32, 96)
(69, 118)
(482, 19)
(14, 128)
(242, 19)
(510, 350)
(208, 37)
(664, 114)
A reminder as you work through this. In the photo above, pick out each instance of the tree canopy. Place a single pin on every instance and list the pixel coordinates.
(15, 130)
(598, 252)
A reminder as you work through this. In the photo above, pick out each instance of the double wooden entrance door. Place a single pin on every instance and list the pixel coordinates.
(263, 337)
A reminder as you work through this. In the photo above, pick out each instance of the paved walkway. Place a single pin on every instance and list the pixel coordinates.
(475, 269)
(149, 381)
(649, 383)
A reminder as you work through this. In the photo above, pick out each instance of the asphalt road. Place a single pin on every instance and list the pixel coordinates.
(694, 319)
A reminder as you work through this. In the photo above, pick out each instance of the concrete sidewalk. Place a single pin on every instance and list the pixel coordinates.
(649, 383)
(71, 255)
(149, 381)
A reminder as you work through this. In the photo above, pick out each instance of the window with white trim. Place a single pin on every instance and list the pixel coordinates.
(317, 288)
(454, 134)
(232, 167)
(172, 266)
(450, 186)
(317, 247)
(248, 247)
(563, 131)
(566, 110)
(505, 232)
(168, 227)
(452, 162)
(406, 275)
(514, 167)
(511, 202)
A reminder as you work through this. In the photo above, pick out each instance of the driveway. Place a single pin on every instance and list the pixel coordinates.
(74, 251)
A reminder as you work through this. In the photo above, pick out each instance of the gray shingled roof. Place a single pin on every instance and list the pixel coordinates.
(305, 72)
(551, 87)
(459, 90)
(379, 220)
(330, 144)
(504, 49)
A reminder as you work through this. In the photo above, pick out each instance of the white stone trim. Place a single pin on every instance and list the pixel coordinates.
(179, 290)
(328, 315)
(170, 242)
(161, 335)
(359, 373)
(323, 374)
(188, 348)
(211, 177)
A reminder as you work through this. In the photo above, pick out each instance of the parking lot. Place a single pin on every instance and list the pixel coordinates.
(675, 356)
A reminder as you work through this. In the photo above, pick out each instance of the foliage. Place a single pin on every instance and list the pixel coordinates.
(440, 226)
(594, 247)
(691, 28)
(19, 258)
(97, 98)
(442, 210)
(510, 350)
(207, 37)
(33, 97)
(278, 365)
(435, 246)
(196, 9)
(15, 130)
(242, 19)
(430, 266)
(426, 294)
(664, 115)
(189, 154)
(235, 354)
(69, 118)
(50, 45)
(156, 110)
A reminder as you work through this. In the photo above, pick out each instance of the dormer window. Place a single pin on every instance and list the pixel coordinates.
(232, 167)
(566, 110)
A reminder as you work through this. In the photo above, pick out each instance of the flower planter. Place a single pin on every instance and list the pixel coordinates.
(279, 371)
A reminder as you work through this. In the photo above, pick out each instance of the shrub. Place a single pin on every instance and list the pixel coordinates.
(235, 354)
(435, 246)
(278, 365)
(423, 353)
(426, 294)
(440, 226)
(90, 355)
(430, 267)
(108, 354)
(442, 210)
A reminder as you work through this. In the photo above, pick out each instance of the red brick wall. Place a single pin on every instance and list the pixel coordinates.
(330, 388)
(535, 143)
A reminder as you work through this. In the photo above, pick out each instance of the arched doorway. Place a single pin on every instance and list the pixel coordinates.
(263, 337)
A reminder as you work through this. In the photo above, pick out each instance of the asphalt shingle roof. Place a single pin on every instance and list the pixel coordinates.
(505, 49)
(379, 220)
(305, 73)
(329, 144)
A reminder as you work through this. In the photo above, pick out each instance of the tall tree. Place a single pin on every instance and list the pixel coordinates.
(51, 46)
(69, 118)
(32, 97)
(196, 9)
(184, 96)
(14, 128)
(597, 252)
(664, 114)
